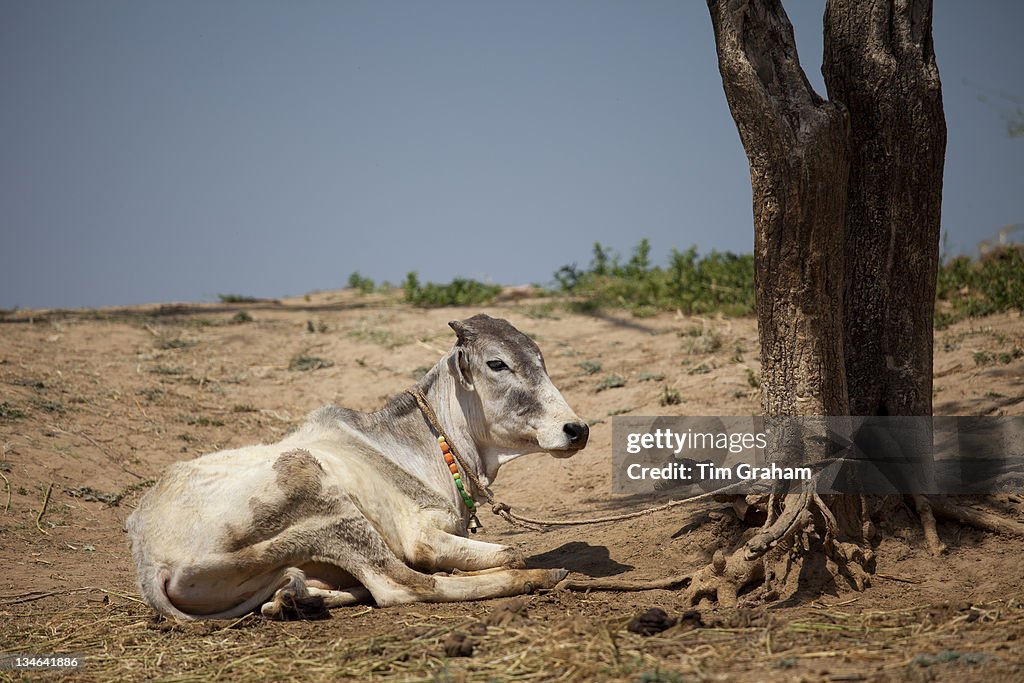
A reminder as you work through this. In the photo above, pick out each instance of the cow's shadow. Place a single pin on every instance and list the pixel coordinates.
(577, 556)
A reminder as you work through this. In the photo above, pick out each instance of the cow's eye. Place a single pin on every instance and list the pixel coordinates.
(497, 365)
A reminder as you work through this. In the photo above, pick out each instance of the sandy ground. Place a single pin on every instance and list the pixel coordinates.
(95, 404)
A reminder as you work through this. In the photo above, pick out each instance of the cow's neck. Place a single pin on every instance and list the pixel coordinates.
(421, 454)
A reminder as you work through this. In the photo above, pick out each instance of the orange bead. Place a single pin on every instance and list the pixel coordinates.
(454, 468)
(448, 458)
(445, 447)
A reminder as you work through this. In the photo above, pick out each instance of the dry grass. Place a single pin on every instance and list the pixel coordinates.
(120, 640)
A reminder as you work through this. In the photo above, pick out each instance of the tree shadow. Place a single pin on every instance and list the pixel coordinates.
(619, 322)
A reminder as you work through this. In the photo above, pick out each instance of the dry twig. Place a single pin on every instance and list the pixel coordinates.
(39, 517)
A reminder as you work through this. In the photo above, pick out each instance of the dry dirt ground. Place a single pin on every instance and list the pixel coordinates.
(95, 404)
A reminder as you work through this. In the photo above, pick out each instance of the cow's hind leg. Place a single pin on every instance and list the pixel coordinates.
(357, 547)
(396, 584)
(340, 598)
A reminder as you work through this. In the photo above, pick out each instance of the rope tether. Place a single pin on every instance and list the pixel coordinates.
(504, 511)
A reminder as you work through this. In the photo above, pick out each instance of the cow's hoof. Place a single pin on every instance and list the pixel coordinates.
(543, 578)
(288, 606)
(309, 608)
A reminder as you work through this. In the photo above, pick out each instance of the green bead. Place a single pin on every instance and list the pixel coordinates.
(458, 483)
(470, 503)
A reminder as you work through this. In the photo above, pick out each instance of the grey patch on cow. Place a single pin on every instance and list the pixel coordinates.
(410, 486)
(524, 403)
(397, 407)
(297, 463)
(300, 479)
(357, 537)
(482, 327)
(332, 416)
(313, 522)
(482, 333)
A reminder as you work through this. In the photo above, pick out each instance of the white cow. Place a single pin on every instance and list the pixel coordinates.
(359, 505)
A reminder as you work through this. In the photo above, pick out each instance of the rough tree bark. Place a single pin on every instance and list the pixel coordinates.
(798, 147)
(880, 63)
(846, 196)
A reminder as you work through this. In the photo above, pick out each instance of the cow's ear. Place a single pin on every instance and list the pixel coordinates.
(463, 331)
(458, 365)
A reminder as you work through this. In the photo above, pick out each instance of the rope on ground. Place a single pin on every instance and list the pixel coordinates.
(505, 512)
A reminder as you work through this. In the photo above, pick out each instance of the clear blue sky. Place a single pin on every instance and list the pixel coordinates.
(173, 150)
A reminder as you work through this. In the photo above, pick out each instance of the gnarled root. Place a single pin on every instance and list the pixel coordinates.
(772, 555)
(980, 519)
(931, 533)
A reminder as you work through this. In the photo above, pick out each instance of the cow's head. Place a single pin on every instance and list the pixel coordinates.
(512, 406)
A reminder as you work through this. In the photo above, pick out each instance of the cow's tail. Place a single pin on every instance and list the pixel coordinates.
(153, 586)
(154, 590)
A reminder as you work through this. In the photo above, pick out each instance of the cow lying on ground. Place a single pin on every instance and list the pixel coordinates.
(356, 505)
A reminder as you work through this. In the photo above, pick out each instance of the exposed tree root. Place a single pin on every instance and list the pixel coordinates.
(931, 533)
(612, 584)
(772, 558)
(979, 519)
(767, 558)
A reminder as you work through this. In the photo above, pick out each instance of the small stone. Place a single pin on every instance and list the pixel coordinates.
(654, 620)
(691, 619)
(458, 644)
(512, 612)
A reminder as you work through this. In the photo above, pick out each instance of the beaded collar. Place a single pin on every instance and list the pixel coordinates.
(451, 458)
(446, 451)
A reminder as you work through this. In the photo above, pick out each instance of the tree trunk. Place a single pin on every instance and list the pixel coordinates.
(880, 63)
(846, 197)
(798, 148)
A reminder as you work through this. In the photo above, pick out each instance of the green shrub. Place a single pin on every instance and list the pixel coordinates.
(718, 281)
(723, 282)
(10, 412)
(304, 363)
(237, 299)
(458, 292)
(991, 284)
(610, 382)
(363, 284)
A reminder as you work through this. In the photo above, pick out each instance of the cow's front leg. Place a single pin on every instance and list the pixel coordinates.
(440, 551)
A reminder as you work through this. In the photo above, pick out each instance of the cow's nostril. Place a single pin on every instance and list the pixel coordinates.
(578, 432)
